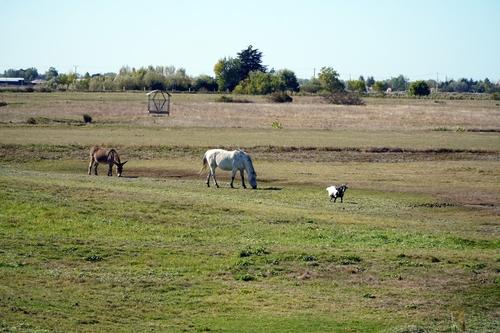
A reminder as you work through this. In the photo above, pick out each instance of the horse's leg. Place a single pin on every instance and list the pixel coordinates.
(242, 174)
(208, 178)
(213, 176)
(110, 169)
(233, 174)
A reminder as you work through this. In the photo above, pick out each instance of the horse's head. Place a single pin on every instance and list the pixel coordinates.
(252, 175)
(252, 178)
(119, 168)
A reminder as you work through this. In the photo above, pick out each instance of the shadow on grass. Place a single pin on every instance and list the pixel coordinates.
(272, 188)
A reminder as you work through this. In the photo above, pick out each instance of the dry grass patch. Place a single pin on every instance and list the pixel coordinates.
(305, 112)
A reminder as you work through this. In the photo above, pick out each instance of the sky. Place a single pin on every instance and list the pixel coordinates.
(422, 39)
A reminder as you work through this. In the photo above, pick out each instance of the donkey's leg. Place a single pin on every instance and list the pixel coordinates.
(110, 169)
(90, 166)
(242, 174)
(95, 167)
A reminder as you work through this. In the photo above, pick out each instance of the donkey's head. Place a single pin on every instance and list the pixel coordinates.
(119, 168)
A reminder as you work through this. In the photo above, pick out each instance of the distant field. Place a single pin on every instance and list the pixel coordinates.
(192, 110)
(415, 246)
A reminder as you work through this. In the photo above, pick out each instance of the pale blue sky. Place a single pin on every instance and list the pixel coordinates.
(380, 38)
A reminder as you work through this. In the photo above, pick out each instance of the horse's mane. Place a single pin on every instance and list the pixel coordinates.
(249, 159)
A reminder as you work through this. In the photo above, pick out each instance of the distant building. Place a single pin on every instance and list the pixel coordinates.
(11, 81)
(38, 81)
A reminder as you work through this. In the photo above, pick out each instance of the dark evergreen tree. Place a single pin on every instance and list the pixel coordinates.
(370, 81)
(251, 61)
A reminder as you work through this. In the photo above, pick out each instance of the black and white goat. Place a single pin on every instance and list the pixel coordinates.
(335, 192)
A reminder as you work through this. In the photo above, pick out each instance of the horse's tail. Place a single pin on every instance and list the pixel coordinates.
(205, 164)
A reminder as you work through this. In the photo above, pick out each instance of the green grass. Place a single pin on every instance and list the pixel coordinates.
(100, 253)
(414, 247)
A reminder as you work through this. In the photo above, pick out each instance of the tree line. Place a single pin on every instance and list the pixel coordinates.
(243, 74)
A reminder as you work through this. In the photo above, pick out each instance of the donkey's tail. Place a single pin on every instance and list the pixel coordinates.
(205, 165)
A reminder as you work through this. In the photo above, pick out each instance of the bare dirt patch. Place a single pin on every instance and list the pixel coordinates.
(24, 153)
(162, 173)
(371, 154)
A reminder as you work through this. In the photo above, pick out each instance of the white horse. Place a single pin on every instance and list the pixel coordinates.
(229, 161)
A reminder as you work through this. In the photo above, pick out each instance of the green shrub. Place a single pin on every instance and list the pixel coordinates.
(350, 260)
(442, 129)
(245, 277)
(495, 96)
(248, 251)
(276, 124)
(229, 99)
(419, 88)
(280, 97)
(31, 121)
(94, 258)
(343, 98)
(2, 103)
(309, 258)
(45, 89)
(87, 118)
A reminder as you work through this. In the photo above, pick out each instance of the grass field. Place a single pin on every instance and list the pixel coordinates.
(413, 248)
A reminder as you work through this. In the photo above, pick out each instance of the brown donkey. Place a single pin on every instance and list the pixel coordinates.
(103, 155)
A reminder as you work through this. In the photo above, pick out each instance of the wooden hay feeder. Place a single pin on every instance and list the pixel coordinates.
(159, 102)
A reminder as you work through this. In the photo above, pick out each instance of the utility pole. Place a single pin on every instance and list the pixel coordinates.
(437, 81)
(76, 66)
(314, 72)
